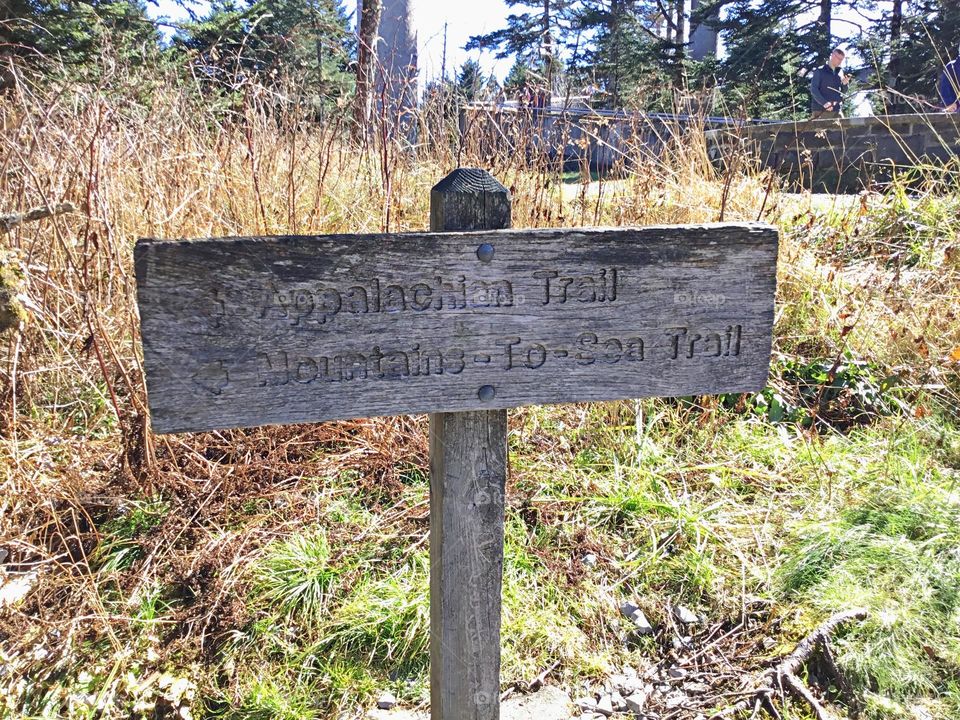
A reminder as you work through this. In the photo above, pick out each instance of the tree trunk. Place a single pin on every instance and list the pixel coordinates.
(824, 28)
(616, 18)
(896, 31)
(680, 41)
(703, 37)
(397, 63)
(317, 43)
(546, 45)
(370, 11)
(681, 23)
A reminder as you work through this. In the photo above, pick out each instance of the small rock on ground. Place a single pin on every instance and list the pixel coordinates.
(396, 714)
(616, 699)
(386, 701)
(641, 625)
(548, 703)
(586, 704)
(636, 702)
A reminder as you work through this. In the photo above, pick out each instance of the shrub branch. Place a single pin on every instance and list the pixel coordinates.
(11, 220)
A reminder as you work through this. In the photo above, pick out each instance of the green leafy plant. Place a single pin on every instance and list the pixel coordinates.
(838, 394)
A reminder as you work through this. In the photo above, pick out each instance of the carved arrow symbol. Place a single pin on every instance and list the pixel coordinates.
(213, 377)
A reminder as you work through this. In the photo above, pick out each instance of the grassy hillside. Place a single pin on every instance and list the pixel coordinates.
(283, 572)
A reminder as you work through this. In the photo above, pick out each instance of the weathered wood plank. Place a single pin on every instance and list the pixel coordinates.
(468, 471)
(254, 331)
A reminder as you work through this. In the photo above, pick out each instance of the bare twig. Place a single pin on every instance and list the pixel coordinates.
(784, 674)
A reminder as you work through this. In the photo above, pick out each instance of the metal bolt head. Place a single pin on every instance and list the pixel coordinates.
(485, 252)
(487, 393)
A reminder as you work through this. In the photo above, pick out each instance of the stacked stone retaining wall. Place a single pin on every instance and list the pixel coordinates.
(844, 155)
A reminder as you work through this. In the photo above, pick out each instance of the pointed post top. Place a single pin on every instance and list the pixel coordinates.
(469, 199)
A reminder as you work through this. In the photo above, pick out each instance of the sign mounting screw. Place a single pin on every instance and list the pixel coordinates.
(485, 252)
(487, 393)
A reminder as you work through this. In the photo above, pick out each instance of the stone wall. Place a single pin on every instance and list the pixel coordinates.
(599, 139)
(837, 156)
(844, 155)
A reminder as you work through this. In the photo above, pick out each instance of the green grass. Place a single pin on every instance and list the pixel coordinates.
(686, 501)
(295, 576)
(895, 549)
(120, 545)
(270, 699)
(383, 620)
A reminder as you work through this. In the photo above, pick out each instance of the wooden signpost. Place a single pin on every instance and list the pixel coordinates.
(461, 322)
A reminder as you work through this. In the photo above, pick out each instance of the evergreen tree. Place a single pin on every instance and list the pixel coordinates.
(519, 77)
(624, 55)
(492, 89)
(470, 80)
(907, 49)
(534, 36)
(931, 38)
(74, 34)
(307, 42)
(771, 49)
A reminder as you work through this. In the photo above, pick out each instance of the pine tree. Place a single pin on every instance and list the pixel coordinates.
(534, 36)
(518, 78)
(771, 49)
(470, 80)
(907, 50)
(305, 42)
(74, 34)
(625, 56)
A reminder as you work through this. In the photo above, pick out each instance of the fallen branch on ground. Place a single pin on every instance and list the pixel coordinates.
(783, 676)
(11, 220)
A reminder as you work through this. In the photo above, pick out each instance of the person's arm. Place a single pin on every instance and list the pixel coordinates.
(948, 90)
(943, 88)
(818, 97)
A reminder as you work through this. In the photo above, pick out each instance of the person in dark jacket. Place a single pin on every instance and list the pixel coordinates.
(949, 85)
(826, 87)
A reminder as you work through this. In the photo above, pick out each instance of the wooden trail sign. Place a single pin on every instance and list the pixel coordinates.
(460, 322)
(257, 331)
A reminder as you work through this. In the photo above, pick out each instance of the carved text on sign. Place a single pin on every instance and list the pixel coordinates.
(311, 305)
(383, 363)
